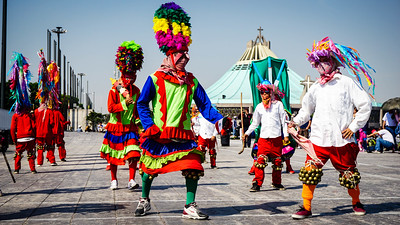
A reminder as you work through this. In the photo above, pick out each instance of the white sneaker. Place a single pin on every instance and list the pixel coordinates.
(143, 207)
(132, 184)
(114, 185)
(191, 211)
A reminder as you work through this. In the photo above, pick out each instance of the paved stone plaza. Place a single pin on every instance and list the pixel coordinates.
(76, 191)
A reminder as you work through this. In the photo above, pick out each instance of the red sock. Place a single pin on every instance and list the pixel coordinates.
(132, 169)
(113, 171)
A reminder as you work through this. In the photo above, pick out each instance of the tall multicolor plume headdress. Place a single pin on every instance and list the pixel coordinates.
(172, 28)
(265, 85)
(48, 83)
(129, 57)
(346, 56)
(20, 77)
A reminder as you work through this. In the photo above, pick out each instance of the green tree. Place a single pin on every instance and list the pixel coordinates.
(94, 118)
(33, 88)
(7, 94)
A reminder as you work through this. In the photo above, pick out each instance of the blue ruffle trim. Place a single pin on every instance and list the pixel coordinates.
(158, 149)
(122, 138)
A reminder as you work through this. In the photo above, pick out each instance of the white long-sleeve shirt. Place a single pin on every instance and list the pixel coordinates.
(207, 129)
(272, 120)
(333, 104)
(196, 125)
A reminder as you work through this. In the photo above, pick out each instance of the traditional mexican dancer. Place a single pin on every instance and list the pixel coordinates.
(272, 117)
(207, 139)
(48, 98)
(23, 128)
(58, 133)
(121, 141)
(332, 100)
(169, 143)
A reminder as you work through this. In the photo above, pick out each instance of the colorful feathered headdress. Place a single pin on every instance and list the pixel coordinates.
(48, 83)
(129, 57)
(346, 56)
(172, 28)
(20, 77)
(265, 85)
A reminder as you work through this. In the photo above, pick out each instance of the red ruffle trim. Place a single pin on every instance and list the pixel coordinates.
(121, 128)
(178, 133)
(120, 146)
(132, 154)
(191, 161)
(172, 79)
(111, 160)
(151, 132)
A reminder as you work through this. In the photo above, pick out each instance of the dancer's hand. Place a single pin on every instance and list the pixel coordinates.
(346, 134)
(128, 101)
(286, 140)
(292, 124)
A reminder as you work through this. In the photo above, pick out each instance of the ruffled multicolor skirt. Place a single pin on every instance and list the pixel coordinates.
(158, 158)
(118, 147)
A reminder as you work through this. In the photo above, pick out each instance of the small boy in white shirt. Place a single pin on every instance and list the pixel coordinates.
(271, 114)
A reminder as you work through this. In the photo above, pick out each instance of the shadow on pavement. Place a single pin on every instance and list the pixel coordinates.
(270, 207)
(55, 191)
(61, 208)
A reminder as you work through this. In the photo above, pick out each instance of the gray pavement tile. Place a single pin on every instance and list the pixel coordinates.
(97, 221)
(49, 221)
(96, 210)
(76, 192)
(14, 222)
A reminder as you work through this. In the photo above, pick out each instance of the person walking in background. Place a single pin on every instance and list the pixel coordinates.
(44, 134)
(47, 94)
(121, 140)
(207, 140)
(389, 121)
(246, 123)
(58, 133)
(23, 128)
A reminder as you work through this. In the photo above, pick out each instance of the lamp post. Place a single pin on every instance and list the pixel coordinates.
(59, 31)
(81, 88)
(3, 56)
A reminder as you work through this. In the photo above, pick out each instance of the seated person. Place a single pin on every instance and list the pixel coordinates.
(384, 140)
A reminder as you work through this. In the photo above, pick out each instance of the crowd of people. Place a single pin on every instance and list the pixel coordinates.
(152, 129)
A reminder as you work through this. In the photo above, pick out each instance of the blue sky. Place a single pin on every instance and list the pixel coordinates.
(220, 31)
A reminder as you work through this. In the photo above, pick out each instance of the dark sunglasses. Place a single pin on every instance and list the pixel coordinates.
(264, 92)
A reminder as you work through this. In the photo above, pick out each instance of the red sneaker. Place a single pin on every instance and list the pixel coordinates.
(108, 167)
(358, 209)
(302, 213)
